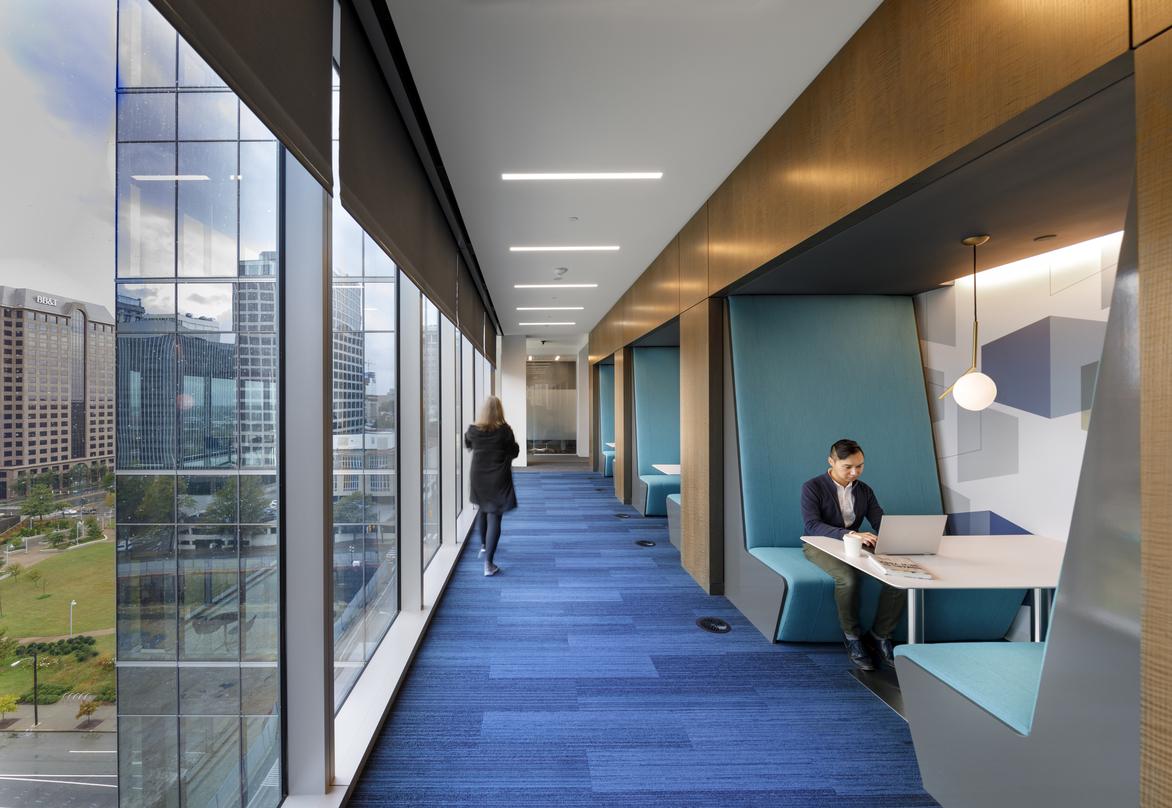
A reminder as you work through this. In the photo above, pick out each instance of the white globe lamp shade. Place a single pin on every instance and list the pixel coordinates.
(974, 391)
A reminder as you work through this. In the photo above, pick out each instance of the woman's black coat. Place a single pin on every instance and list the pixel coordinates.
(491, 484)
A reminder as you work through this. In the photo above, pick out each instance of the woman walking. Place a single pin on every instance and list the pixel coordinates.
(491, 486)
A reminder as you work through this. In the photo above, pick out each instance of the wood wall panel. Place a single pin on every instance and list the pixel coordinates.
(693, 246)
(624, 399)
(701, 443)
(1153, 75)
(916, 83)
(1148, 18)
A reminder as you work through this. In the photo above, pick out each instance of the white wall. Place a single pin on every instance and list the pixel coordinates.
(1021, 458)
(512, 390)
(584, 401)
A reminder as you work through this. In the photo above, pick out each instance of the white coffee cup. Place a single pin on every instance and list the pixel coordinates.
(853, 545)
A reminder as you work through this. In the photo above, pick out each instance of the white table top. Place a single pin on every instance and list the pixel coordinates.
(610, 445)
(667, 468)
(971, 562)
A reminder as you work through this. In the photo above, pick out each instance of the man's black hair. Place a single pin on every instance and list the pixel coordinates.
(844, 448)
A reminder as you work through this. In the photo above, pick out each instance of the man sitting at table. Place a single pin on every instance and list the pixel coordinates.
(833, 505)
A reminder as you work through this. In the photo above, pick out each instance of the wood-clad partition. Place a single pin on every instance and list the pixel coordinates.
(702, 443)
(915, 85)
(1149, 18)
(1153, 76)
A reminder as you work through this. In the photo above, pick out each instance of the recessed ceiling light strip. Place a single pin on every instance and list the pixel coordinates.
(550, 308)
(583, 175)
(567, 248)
(546, 323)
(555, 285)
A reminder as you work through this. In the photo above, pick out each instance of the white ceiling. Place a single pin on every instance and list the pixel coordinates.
(686, 87)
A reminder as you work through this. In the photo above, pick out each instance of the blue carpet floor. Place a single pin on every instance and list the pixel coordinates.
(577, 677)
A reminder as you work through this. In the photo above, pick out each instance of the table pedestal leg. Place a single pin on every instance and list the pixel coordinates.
(1040, 611)
(915, 616)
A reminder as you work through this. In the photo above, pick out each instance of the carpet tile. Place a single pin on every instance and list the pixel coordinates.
(577, 677)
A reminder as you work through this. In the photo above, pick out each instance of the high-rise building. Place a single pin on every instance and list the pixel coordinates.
(58, 375)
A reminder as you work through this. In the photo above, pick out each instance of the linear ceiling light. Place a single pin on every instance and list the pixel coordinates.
(585, 175)
(546, 323)
(550, 308)
(168, 177)
(555, 285)
(571, 248)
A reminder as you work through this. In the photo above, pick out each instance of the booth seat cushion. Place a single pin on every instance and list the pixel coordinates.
(608, 462)
(1000, 677)
(659, 486)
(675, 498)
(808, 613)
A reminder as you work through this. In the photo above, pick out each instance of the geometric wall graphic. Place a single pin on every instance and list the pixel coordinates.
(981, 523)
(995, 453)
(1040, 368)
(936, 315)
(934, 383)
(1090, 374)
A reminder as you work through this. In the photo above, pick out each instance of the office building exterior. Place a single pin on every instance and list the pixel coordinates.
(58, 379)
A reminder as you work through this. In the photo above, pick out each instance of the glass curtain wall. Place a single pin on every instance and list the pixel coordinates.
(457, 429)
(365, 456)
(431, 391)
(198, 535)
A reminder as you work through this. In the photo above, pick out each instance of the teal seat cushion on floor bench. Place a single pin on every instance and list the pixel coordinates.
(608, 462)
(676, 499)
(1001, 678)
(659, 488)
(808, 613)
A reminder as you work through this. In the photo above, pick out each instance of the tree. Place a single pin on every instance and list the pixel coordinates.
(8, 645)
(7, 705)
(40, 501)
(254, 500)
(222, 508)
(34, 577)
(93, 531)
(22, 485)
(15, 570)
(86, 709)
(78, 475)
(108, 480)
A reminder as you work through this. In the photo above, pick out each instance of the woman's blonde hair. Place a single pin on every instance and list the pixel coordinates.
(491, 415)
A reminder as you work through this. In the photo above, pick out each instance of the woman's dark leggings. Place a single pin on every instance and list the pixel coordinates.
(489, 525)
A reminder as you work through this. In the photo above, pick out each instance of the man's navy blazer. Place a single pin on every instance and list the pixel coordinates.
(821, 514)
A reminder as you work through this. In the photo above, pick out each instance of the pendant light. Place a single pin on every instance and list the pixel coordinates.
(973, 390)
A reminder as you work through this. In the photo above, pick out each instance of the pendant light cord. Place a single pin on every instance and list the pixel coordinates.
(974, 307)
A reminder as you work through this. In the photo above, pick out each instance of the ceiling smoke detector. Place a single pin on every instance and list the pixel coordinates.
(560, 272)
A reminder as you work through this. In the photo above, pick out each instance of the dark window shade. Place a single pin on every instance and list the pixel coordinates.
(384, 185)
(472, 318)
(276, 55)
(490, 341)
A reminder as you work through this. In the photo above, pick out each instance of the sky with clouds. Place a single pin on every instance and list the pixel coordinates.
(57, 77)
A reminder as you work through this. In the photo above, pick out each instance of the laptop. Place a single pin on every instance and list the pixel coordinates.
(910, 535)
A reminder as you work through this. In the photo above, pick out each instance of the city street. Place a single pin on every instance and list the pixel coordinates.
(58, 770)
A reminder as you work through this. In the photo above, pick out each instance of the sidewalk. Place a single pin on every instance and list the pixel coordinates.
(60, 717)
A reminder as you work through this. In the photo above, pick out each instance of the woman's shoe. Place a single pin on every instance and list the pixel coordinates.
(481, 552)
(491, 569)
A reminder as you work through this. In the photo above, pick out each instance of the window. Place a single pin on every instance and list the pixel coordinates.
(430, 390)
(198, 550)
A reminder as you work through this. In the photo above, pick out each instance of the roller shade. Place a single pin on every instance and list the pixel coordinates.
(471, 319)
(384, 185)
(276, 55)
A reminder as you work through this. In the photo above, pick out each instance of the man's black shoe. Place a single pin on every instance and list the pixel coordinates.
(882, 648)
(858, 654)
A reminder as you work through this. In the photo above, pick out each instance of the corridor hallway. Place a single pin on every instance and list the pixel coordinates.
(577, 677)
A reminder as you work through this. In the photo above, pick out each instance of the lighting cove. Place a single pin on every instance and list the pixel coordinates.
(582, 175)
(566, 248)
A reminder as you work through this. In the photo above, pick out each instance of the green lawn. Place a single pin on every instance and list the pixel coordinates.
(83, 677)
(42, 609)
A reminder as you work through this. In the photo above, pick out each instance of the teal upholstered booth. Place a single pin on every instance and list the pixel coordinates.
(808, 370)
(606, 418)
(656, 373)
